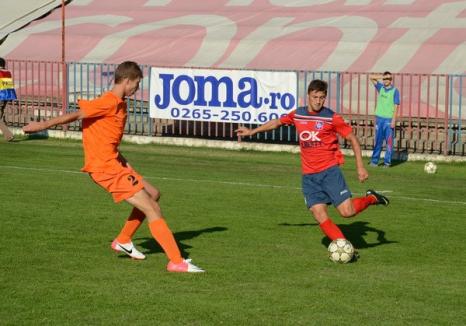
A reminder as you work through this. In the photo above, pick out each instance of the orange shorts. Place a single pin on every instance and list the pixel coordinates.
(122, 185)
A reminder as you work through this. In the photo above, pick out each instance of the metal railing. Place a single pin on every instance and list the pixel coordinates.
(431, 118)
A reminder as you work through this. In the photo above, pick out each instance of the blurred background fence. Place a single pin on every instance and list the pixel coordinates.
(431, 118)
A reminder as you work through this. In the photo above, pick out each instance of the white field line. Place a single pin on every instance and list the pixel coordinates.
(233, 183)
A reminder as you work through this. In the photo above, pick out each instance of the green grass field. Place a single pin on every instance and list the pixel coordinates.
(239, 215)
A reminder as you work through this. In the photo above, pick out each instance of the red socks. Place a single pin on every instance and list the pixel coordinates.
(361, 203)
(331, 230)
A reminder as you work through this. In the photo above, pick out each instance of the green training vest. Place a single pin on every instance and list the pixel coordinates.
(385, 103)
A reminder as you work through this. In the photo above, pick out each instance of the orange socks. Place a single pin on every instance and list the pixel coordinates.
(361, 203)
(331, 230)
(164, 236)
(131, 226)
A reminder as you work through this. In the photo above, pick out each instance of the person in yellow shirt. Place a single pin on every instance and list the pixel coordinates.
(103, 122)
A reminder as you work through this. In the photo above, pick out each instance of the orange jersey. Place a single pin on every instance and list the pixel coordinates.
(103, 124)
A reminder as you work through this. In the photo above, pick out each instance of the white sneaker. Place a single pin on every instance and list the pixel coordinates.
(184, 267)
(128, 248)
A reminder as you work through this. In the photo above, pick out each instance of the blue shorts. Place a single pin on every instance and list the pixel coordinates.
(326, 187)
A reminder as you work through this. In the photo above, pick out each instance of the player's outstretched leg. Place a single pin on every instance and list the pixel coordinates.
(379, 198)
(371, 198)
(163, 235)
(331, 230)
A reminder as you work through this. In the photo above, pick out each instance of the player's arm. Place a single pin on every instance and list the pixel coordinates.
(396, 101)
(393, 123)
(270, 125)
(362, 172)
(60, 120)
(375, 78)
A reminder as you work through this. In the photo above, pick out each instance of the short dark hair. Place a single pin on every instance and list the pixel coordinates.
(2, 63)
(317, 85)
(387, 73)
(127, 69)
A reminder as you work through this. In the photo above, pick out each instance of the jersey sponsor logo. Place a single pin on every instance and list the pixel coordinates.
(309, 136)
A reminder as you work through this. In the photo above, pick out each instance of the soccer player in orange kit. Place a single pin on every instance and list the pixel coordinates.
(103, 122)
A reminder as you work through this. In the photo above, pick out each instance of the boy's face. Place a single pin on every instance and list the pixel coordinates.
(316, 100)
(387, 80)
(131, 86)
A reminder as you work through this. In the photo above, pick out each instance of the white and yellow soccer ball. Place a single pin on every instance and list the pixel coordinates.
(340, 251)
(430, 168)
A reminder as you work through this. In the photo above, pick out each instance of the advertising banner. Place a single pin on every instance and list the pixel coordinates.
(238, 96)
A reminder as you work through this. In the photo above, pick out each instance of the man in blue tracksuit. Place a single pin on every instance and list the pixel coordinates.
(388, 102)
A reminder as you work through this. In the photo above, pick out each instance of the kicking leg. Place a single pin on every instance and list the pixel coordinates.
(162, 233)
(136, 218)
(330, 229)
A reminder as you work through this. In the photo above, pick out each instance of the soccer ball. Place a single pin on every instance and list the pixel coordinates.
(340, 251)
(430, 168)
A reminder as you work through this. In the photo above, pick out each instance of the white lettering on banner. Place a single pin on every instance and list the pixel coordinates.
(419, 31)
(239, 2)
(352, 43)
(299, 3)
(156, 3)
(238, 96)
(392, 35)
(215, 42)
(454, 59)
(80, 2)
(398, 2)
(309, 135)
(357, 2)
(12, 42)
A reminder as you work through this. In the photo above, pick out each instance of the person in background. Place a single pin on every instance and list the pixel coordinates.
(7, 93)
(103, 121)
(388, 103)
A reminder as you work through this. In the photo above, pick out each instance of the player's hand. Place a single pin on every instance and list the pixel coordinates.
(34, 126)
(243, 131)
(362, 174)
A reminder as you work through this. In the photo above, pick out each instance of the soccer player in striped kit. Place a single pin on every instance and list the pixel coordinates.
(323, 182)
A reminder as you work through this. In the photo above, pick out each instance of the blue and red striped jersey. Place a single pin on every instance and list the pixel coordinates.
(318, 137)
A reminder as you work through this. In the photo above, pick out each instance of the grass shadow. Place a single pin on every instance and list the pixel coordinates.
(37, 135)
(34, 136)
(355, 233)
(152, 246)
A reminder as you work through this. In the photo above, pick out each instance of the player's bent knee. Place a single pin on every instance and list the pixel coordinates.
(154, 194)
(347, 212)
